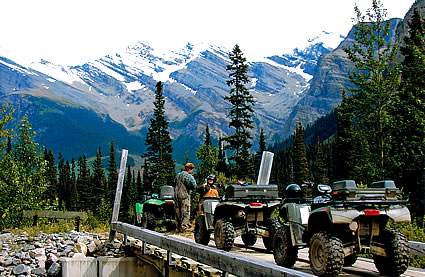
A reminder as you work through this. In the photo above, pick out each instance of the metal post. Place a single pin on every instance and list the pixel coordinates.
(77, 224)
(118, 192)
(265, 168)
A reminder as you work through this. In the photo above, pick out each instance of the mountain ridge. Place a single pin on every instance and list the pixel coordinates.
(121, 87)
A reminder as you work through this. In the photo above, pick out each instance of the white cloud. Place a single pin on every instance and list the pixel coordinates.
(72, 32)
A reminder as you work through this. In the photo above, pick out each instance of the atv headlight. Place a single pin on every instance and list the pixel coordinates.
(353, 226)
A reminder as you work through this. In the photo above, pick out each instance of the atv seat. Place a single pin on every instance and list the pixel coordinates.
(166, 193)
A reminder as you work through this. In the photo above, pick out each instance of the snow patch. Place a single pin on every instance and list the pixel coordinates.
(18, 68)
(298, 70)
(189, 89)
(133, 86)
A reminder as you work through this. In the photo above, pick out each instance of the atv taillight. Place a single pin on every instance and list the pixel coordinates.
(255, 204)
(169, 202)
(371, 212)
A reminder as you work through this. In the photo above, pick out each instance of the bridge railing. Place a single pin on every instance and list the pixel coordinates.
(225, 261)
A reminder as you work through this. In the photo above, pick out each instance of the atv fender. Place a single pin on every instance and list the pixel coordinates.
(344, 216)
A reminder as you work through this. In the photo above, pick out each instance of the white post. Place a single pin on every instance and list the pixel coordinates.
(118, 192)
(265, 168)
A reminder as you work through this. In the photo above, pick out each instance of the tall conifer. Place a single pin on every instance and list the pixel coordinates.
(158, 156)
(112, 176)
(240, 114)
(98, 179)
(301, 170)
(84, 186)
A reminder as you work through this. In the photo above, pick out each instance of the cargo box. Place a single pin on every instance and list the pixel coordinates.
(381, 190)
(252, 191)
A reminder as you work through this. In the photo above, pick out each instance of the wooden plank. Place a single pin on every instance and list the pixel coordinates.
(54, 214)
(226, 261)
(417, 248)
(118, 192)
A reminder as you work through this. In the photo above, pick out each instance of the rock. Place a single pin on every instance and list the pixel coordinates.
(54, 270)
(28, 247)
(39, 271)
(91, 247)
(80, 248)
(39, 254)
(51, 258)
(8, 261)
(21, 269)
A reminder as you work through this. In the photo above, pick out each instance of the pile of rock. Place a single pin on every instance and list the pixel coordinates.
(22, 255)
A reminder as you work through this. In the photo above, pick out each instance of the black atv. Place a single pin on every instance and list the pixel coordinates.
(340, 225)
(245, 211)
(157, 211)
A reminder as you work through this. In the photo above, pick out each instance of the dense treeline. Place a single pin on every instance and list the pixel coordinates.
(380, 125)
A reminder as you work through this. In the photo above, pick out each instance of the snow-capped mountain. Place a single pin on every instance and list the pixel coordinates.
(121, 87)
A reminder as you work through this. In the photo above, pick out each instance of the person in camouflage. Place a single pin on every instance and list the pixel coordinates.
(184, 184)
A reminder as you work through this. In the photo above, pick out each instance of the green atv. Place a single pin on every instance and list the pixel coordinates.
(244, 211)
(341, 223)
(157, 211)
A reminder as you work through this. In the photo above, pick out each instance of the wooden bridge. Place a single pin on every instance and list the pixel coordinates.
(172, 255)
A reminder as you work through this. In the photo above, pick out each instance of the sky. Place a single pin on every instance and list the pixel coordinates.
(71, 32)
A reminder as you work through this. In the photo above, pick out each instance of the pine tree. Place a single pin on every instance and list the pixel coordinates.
(146, 177)
(408, 117)
(159, 150)
(301, 170)
(262, 141)
(343, 143)
(209, 158)
(84, 187)
(221, 163)
(139, 184)
(51, 172)
(124, 213)
(62, 183)
(112, 176)
(207, 136)
(240, 114)
(98, 180)
(376, 80)
(320, 170)
(74, 199)
(259, 154)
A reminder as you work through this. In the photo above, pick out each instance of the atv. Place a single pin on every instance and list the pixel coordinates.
(244, 211)
(341, 223)
(157, 211)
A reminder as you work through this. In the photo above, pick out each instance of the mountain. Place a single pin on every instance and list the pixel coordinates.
(330, 78)
(76, 109)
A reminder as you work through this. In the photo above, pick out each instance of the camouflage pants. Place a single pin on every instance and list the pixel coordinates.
(183, 215)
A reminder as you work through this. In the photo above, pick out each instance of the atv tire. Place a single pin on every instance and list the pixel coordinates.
(224, 234)
(397, 249)
(202, 235)
(249, 239)
(284, 253)
(350, 260)
(326, 254)
(148, 220)
(273, 225)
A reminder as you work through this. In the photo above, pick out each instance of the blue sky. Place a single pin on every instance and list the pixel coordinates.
(72, 32)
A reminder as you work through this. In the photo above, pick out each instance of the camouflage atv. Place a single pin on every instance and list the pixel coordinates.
(340, 225)
(157, 211)
(244, 211)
